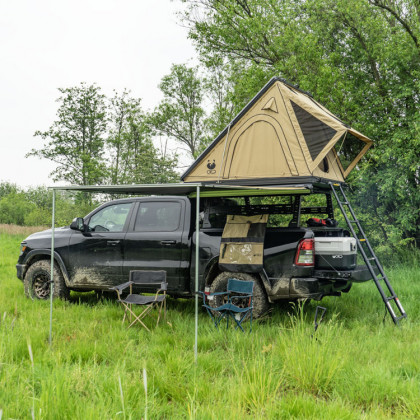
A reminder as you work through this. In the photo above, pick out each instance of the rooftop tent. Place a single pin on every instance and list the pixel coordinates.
(283, 135)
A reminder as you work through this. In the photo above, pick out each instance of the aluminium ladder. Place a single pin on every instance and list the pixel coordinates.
(371, 260)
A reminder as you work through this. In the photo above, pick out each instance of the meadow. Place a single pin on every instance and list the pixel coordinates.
(357, 365)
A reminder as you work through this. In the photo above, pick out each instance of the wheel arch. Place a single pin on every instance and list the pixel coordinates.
(45, 254)
(212, 271)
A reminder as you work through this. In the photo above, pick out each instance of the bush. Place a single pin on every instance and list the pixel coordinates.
(13, 208)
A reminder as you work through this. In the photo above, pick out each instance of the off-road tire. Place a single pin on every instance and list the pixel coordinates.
(37, 281)
(260, 301)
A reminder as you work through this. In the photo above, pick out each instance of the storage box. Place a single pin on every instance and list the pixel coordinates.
(338, 253)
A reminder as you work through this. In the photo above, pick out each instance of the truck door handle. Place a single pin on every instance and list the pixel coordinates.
(112, 243)
(168, 242)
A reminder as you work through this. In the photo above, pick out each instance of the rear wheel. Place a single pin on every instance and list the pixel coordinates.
(37, 281)
(260, 302)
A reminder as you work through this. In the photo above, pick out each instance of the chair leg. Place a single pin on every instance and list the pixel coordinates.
(216, 319)
(125, 311)
(164, 310)
(139, 319)
(159, 313)
(239, 322)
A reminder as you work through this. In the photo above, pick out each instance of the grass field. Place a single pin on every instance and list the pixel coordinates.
(356, 366)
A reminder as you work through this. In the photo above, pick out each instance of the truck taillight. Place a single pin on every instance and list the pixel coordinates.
(306, 253)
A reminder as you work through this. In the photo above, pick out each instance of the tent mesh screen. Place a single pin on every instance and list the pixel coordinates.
(316, 133)
(347, 148)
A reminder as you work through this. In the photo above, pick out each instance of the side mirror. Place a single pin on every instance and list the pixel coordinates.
(78, 224)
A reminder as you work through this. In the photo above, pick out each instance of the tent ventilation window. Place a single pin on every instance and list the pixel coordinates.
(347, 148)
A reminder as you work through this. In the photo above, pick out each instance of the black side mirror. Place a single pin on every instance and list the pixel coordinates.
(78, 224)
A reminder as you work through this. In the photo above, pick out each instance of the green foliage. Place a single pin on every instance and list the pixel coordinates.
(361, 59)
(133, 157)
(97, 140)
(13, 208)
(354, 367)
(33, 207)
(7, 188)
(75, 141)
(180, 115)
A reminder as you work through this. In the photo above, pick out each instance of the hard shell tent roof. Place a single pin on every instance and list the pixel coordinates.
(282, 136)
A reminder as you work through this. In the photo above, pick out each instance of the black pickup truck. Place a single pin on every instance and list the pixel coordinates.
(98, 251)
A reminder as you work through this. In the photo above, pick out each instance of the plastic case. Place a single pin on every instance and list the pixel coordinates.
(339, 253)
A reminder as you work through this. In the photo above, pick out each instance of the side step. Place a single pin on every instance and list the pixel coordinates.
(369, 257)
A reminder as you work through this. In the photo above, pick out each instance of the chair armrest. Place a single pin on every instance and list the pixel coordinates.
(122, 286)
(209, 295)
(218, 293)
(203, 295)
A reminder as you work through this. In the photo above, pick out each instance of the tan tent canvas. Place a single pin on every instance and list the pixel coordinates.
(282, 136)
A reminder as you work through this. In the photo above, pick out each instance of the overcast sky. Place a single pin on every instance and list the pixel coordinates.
(47, 44)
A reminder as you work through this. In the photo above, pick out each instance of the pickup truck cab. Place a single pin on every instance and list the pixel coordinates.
(154, 233)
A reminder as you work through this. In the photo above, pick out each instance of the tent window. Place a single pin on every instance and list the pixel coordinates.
(347, 148)
(316, 133)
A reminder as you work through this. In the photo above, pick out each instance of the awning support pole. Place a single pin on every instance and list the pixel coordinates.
(197, 250)
(52, 265)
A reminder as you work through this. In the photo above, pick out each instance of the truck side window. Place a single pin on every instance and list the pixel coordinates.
(158, 216)
(110, 219)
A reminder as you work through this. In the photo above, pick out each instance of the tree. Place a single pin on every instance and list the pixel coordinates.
(76, 140)
(180, 115)
(99, 140)
(360, 58)
(132, 156)
(218, 86)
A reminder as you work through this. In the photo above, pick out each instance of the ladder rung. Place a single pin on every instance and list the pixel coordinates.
(353, 221)
(404, 315)
(362, 240)
(393, 297)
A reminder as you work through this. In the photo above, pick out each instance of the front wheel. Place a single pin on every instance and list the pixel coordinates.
(37, 281)
(260, 301)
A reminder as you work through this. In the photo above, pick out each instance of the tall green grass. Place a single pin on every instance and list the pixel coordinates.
(355, 366)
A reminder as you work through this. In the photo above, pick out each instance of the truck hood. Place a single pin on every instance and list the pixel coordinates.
(45, 234)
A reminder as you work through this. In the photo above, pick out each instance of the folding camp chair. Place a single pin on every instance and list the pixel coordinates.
(239, 296)
(147, 279)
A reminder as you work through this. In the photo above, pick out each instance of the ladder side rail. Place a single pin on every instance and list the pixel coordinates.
(378, 264)
(386, 300)
(362, 251)
(354, 233)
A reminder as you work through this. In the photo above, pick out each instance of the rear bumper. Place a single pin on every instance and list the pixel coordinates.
(296, 288)
(307, 288)
(359, 275)
(20, 271)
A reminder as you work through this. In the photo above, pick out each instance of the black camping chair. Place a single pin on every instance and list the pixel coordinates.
(238, 306)
(148, 279)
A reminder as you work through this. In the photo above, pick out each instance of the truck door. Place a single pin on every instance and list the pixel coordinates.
(155, 240)
(96, 255)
